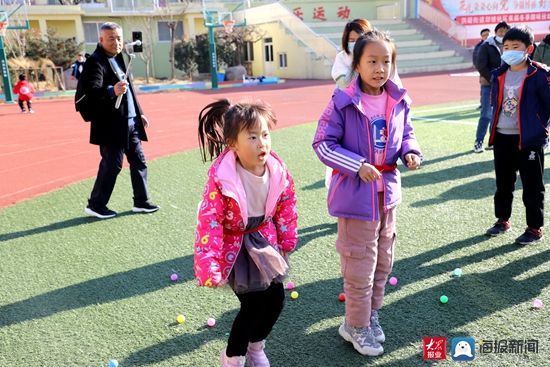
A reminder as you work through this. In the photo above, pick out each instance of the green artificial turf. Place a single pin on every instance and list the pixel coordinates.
(76, 291)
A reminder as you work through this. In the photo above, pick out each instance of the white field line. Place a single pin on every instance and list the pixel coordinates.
(429, 111)
(456, 122)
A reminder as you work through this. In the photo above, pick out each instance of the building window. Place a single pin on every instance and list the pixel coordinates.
(282, 60)
(91, 32)
(268, 49)
(164, 31)
(248, 52)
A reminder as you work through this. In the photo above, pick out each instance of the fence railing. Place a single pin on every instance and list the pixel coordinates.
(443, 22)
(276, 12)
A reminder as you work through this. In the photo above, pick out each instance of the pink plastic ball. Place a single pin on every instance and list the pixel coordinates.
(290, 285)
(393, 281)
(211, 322)
(537, 304)
(342, 297)
(174, 277)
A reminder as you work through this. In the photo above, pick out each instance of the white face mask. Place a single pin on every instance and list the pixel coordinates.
(351, 45)
(513, 57)
(498, 39)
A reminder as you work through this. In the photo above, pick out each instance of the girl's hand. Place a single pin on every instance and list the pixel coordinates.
(412, 160)
(368, 173)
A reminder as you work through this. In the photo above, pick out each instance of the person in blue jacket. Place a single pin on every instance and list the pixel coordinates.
(520, 96)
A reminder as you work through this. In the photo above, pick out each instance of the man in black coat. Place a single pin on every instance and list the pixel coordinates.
(117, 131)
(488, 59)
(485, 32)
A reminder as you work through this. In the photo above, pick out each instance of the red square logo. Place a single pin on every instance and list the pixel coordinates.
(434, 347)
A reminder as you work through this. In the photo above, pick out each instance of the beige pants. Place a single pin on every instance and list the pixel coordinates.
(366, 260)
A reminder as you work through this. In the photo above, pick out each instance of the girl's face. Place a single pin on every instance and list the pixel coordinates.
(353, 36)
(253, 147)
(375, 66)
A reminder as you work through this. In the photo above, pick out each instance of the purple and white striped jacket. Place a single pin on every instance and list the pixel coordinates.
(343, 141)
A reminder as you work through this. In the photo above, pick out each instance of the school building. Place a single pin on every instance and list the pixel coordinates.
(300, 38)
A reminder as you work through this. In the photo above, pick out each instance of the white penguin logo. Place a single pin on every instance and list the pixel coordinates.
(463, 348)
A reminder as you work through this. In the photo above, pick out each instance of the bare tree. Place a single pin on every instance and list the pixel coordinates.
(173, 15)
(146, 56)
(238, 38)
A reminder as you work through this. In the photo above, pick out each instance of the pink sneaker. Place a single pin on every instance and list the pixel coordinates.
(237, 361)
(256, 355)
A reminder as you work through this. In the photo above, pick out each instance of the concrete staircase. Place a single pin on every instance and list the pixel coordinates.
(416, 51)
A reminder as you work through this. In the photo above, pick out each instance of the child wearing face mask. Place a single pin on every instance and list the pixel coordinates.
(488, 59)
(520, 95)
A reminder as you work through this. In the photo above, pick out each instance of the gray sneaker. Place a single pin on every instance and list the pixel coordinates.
(362, 339)
(379, 335)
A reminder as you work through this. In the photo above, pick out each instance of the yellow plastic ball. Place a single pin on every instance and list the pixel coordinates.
(180, 319)
(294, 295)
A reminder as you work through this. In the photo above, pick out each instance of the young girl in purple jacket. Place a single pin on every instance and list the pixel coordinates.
(361, 134)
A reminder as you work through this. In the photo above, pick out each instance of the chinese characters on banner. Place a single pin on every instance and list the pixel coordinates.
(319, 14)
(474, 12)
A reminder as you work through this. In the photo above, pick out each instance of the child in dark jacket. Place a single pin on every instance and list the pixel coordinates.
(24, 90)
(520, 91)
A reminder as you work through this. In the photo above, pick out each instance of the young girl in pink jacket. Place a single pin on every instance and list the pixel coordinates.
(247, 222)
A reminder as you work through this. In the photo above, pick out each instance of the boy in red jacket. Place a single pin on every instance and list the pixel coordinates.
(24, 90)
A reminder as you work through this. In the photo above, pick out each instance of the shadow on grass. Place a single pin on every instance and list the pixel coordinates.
(470, 191)
(299, 335)
(447, 174)
(314, 186)
(106, 289)
(471, 297)
(74, 222)
(448, 116)
(117, 286)
(449, 157)
(308, 234)
(299, 339)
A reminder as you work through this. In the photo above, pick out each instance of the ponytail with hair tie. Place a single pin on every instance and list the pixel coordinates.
(211, 123)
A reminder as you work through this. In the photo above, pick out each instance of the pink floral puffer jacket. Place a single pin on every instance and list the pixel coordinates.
(222, 217)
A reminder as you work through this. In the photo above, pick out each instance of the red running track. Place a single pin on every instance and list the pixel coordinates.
(49, 150)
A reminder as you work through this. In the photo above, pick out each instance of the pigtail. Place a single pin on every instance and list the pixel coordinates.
(211, 123)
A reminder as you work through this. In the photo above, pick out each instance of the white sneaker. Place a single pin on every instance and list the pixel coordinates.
(478, 147)
(362, 339)
(379, 335)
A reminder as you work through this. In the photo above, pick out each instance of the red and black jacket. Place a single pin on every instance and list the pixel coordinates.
(534, 104)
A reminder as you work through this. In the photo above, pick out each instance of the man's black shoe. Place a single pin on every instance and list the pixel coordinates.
(145, 208)
(104, 213)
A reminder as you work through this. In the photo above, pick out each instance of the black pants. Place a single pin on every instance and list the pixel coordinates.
(509, 159)
(22, 105)
(259, 312)
(110, 166)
